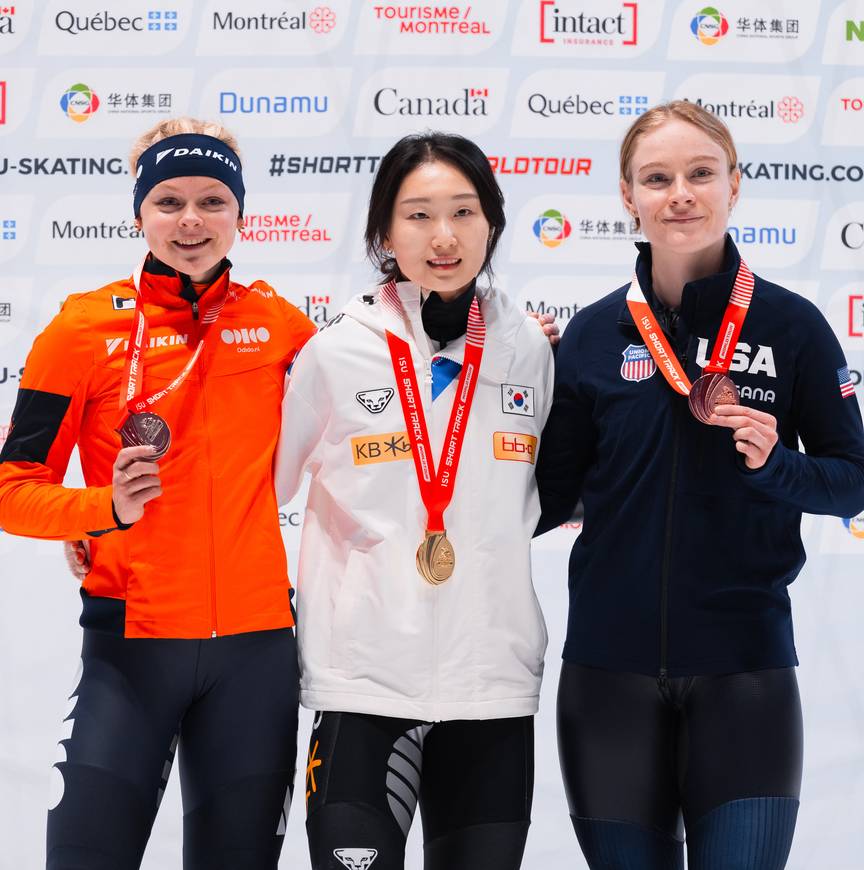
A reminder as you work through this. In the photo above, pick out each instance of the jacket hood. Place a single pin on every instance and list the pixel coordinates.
(501, 315)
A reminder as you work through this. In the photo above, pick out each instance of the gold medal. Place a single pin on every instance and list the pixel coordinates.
(435, 558)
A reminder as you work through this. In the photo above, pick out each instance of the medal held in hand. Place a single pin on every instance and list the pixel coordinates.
(142, 426)
(714, 387)
(140, 429)
(436, 559)
(708, 392)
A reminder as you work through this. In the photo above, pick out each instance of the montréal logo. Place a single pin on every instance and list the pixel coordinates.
(552, 228)
(79, 103)
(709, 25)
(322, 19)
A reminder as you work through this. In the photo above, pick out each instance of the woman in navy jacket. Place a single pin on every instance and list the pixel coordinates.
(678, 705)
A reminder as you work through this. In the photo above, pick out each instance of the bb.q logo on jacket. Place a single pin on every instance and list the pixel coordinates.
(638, 364)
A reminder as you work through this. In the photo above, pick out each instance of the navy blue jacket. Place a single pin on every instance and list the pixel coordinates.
(685, 555)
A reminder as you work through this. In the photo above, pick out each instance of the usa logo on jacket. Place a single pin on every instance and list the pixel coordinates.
(638, 364)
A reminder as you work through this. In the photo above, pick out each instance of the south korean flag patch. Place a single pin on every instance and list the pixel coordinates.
(517, 399)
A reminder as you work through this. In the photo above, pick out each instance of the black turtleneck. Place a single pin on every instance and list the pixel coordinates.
(446, 321)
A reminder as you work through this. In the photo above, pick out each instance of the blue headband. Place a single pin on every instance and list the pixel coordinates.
(188, 154)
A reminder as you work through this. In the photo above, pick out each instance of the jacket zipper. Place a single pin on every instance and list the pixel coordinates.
(667, 547)
(214, 625)
(427, 390)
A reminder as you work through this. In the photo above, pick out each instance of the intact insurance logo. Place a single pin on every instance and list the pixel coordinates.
(709, 25)
(79, 103)
(558, 24)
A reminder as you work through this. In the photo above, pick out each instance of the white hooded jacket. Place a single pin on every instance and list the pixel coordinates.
(374, 636)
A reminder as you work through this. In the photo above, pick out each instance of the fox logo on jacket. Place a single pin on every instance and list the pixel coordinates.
(356, 859)
(637, 365)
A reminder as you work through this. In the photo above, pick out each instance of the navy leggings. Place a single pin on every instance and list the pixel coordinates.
(229, 704)
(646, 760)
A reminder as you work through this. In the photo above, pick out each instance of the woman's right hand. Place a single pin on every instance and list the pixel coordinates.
(135, 482)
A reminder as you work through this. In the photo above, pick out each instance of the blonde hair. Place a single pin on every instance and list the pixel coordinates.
(175, 126)
(681, 110)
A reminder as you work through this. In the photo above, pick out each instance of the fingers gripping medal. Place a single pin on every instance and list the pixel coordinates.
(714, 387)
(140, 429)
(708, 392)
(436, 559)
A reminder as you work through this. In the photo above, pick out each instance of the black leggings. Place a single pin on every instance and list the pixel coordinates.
(230, 703)
(365, 775)
(644, 760)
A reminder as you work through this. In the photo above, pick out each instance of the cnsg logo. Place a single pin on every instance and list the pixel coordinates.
(244, 337)
(7, 21)
(468, 102)
(855, 526)
(79, 103)
(709, 25)
(552, 228)
(321, 19)
(584, 29)
(104, 22)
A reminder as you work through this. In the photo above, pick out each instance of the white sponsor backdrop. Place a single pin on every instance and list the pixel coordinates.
(316, 93)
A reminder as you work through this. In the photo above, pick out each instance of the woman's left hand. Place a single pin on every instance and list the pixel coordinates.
(755, 432)
(550, 327)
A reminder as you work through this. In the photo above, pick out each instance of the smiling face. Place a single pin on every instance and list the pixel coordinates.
(438, 232)
(680, 188)
(190, 223)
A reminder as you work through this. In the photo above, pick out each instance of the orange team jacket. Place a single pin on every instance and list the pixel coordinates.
(207, 557)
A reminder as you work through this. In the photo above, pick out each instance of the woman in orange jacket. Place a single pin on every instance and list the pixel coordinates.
(186, 613)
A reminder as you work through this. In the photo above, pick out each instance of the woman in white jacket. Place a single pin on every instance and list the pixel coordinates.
(418, 411)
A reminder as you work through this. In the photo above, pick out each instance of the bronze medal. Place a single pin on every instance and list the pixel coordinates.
(708, 392)
(146, 428)
(435, 558)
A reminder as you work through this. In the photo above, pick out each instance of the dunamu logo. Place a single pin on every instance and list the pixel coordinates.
(231, 102)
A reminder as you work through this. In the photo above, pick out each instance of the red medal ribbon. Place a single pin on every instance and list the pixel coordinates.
(436, 488)
(724, 345)
(133, 372)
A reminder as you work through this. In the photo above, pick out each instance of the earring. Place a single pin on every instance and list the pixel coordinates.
(388, 252)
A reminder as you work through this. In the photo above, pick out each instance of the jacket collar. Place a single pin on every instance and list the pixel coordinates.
(502, 325)
(161, 285)
(704, 299)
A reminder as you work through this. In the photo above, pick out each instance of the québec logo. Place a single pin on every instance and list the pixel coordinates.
(709, 25)
(552, 228)
(375, 401)
(356, 859)
(79, 103)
